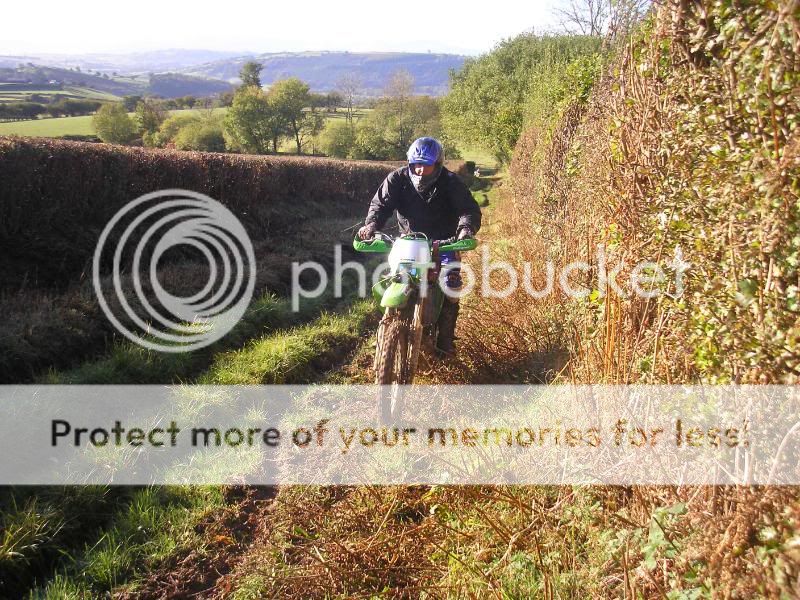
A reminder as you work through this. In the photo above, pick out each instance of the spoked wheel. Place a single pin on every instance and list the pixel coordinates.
(392, 362)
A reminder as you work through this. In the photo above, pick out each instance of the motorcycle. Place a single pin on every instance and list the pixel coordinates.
(411, 296)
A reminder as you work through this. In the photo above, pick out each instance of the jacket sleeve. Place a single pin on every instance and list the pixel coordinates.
(469, 213)
(383, 204)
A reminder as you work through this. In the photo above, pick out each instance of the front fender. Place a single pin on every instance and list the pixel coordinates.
(397, 294)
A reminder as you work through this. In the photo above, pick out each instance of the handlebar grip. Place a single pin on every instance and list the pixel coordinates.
(373, 245)
(460, 245)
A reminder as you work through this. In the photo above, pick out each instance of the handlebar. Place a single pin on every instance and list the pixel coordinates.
(384, 244)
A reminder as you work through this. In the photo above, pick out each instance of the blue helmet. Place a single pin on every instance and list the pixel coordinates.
(425, 151)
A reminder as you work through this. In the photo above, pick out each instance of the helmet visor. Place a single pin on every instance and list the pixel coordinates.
(428, 162)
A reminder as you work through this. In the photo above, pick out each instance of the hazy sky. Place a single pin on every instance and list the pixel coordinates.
(467, 27)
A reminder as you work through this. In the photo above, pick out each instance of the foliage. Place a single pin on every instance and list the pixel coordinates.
(387, 131)
(71, 107)
(131, 102)
(290, 97)
(18, 111)
(205, 135)
(113, 125)
(170, 127)
(338, 139)
(251, 73)
(149, 118)
(253, 123)
(492, 97)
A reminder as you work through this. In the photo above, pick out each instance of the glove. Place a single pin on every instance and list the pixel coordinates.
(367, 231)
(465, 233)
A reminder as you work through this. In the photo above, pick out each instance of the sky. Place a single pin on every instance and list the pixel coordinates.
(105, 26)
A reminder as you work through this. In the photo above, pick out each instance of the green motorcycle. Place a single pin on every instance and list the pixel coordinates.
(412, 298)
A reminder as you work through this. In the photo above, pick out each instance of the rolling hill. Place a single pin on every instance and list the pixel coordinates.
(322, 70)
(172, 73)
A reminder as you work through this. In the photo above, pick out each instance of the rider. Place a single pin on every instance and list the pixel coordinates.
(432, 200)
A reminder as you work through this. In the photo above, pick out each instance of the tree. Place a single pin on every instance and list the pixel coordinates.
(253, 122)
(397, 106)
(130, 102)
(251, 74)
(349, 85)
(113, 125)
(171, 127)
(385, 133)
(149, 118)
(598, 17)
(333, 100)
(204, 135)
(492, 96)
(225, 99)
(338, 139)
(290, 97)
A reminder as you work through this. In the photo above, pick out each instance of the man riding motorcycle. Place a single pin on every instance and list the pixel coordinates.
(428, 199)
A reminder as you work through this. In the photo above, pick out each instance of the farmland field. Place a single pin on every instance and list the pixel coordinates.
(63, 126)
(49, 127)
(83, 125)
(14, 94)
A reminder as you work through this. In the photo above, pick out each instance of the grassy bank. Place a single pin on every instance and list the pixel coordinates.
(107, 536)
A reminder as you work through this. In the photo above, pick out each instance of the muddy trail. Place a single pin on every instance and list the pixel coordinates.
(349, 541)
(234, 538)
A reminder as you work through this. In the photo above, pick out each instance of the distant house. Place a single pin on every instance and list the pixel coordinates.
(53, 82)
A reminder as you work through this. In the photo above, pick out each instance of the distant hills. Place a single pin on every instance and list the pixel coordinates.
(135, 62)
(322, 70)
(172, 73)
(167, 85)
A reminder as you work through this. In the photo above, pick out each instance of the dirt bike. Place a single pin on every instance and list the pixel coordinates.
(412, 297)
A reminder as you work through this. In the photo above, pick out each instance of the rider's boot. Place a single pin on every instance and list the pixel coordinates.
(447, 328)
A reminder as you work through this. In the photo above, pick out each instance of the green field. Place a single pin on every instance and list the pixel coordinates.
(76, 93)
(83, 125)
(63, 125)
(49, 127)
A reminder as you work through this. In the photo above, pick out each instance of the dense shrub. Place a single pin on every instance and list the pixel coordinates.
(689, 148)
(57, 196)
(495, 96)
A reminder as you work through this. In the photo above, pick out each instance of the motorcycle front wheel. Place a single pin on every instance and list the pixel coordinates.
(392, 366)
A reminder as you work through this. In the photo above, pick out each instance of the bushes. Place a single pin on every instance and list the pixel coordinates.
(338, 138)
(495, 96)
(57, 196)
(690, 149)
(170, 128)
(113, 125)
(204, 137)
(19, 111)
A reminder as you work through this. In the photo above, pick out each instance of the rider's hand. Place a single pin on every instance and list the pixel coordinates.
(367, 231)
(465, 233)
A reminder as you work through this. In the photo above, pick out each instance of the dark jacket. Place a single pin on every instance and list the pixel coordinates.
(439, 213)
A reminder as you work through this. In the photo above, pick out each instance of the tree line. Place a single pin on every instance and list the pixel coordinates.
(260, 121)
(65, 107)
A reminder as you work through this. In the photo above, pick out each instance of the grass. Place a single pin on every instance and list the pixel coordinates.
(130, 363)
(54, 127)
(123, 531)
(146, 525)
(150, 524)
(482, 159)
(59, 126)
(17, 95)
(296, 356)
